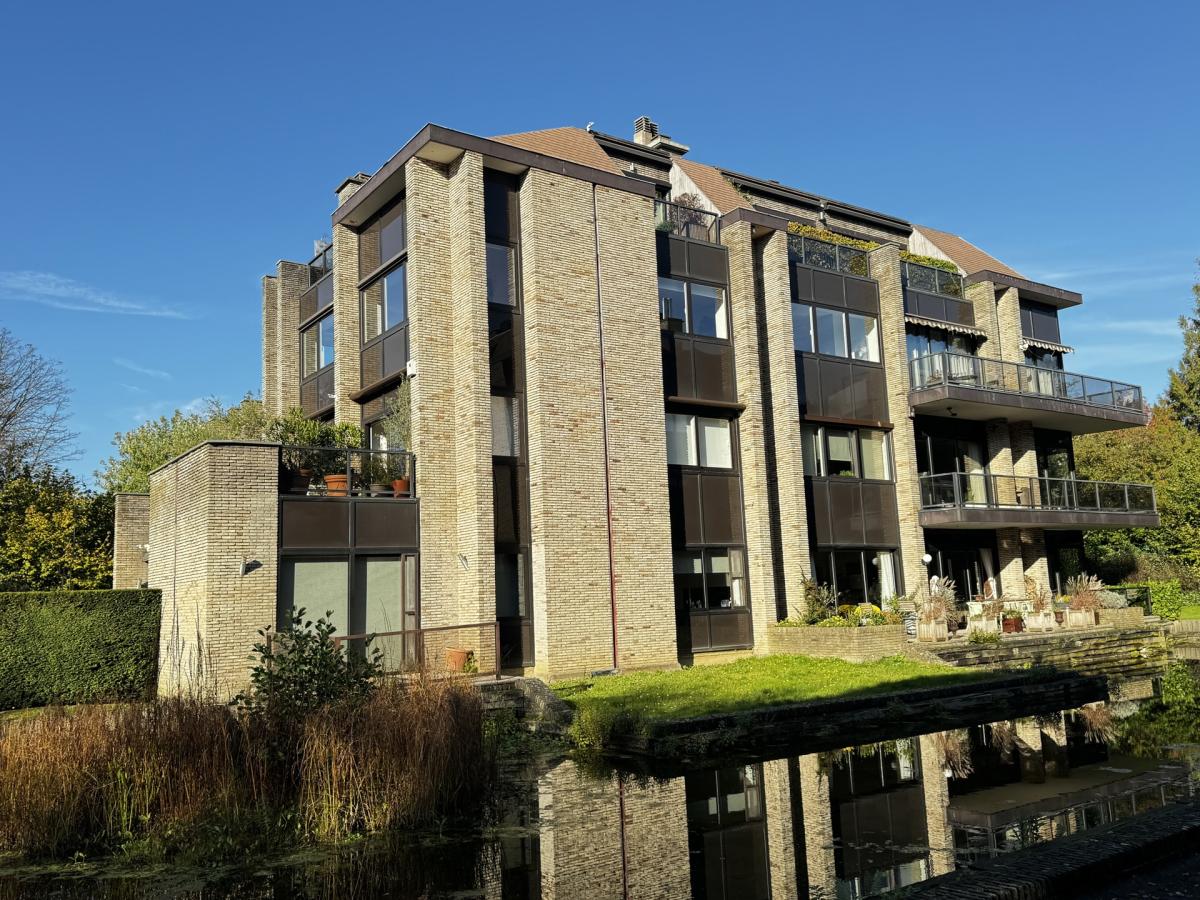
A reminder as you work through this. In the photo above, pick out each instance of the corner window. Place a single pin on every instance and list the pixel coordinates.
(710, 579)
(385, 303)
(383, 240)
(802, 328)
(833, 332)
(814, 455)
(501, 275)
(864, 337)
(874, 456)
(316, 343)
(689, 308)
(699, 440)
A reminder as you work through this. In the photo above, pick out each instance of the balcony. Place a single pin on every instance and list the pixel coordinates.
(936, 295)
(342, 472)
(319, 295)
(979, 500)
(971, 387)
(686, 221)
(819, 254)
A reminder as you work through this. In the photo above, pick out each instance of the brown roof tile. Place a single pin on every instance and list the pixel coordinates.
(964, 254)
(714, 185)
(572, 144)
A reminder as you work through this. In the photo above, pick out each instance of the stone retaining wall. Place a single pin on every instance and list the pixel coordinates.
(1129, 617)
(862, 644)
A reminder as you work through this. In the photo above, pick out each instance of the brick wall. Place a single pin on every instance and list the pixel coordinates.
(818, 827)
(292, 280)
(861, 644)
(131, 533)
(347, 335)
(270, 343)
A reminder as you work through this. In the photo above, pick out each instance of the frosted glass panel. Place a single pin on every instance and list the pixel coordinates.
(316, 586)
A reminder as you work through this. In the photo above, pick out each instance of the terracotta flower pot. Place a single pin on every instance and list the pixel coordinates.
(1013, 626)
(456, 658)
(336, 485)
(401, 486)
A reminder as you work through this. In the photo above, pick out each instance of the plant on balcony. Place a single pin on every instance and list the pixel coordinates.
(682, 211)
(396, 427)
(830, 237)
(932, 261)
(1041, 606)
(1085, 593)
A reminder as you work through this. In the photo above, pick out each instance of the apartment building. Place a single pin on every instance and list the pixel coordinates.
(649, 397)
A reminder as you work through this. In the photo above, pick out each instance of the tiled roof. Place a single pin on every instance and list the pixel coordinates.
(964, 254)
(723, 194)
(572, 144)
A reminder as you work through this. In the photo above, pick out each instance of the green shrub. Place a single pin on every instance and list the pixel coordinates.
(932, 261)
(1167, 598)
(77, 646)
(979, 636)
(831, 237)
(836, 622)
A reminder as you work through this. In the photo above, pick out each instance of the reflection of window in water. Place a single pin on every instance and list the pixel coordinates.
(727, 834)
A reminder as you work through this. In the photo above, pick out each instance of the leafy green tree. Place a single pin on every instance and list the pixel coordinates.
(145, 448)
(53, 533)
(1183, 389)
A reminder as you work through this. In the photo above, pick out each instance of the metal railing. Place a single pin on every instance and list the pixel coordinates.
(471, 650)
(346, 472)
(931, 280)
(1018, 378)
(810, 251)
(320, 265)
(687, 221)
(983, 490)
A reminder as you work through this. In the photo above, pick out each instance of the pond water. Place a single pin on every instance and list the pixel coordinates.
(852, 823)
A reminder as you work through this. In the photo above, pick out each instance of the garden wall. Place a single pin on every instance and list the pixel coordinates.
(861, 644)
(77, 646)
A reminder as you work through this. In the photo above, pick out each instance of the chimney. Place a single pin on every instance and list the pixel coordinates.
(347, 188)
(645, 132)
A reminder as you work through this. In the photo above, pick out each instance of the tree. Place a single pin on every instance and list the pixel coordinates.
(53, 533)
(145, 448)
(1183, 389)
(33, 407)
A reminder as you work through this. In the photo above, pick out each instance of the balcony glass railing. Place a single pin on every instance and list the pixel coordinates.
(810, 251)
(342, 472)
(320, 265)
(1015, 378)
(933, 281)
(686, 221)
(982, 490)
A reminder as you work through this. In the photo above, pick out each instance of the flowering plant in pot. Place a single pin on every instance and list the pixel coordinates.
(1014, 622)
(1085, 600)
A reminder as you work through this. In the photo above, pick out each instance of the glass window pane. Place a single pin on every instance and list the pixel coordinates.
(501, 275)
(917, 344)
(820, 254)
(310, 351)
(847, 569)
(378, 604)
(831, 331)
(719, 579)
(689, 581)
(841, 452)
(737, 578)
(708, 311)
(874, 455)
(672, 305)
(681, 440)
(372, 310)
(326, 329)
(391, 234)
(864, 337)
(881, 575)
(716, 450)
(810, 443)
(949, 284)
(395, 293)
(510, 586)
(802, 329)
(319, 587)
(921, 278)
(506, 429)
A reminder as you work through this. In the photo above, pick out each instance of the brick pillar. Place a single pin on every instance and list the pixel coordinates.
(270, 344)
(758, 477)
(982, 297)
(656, 838)
(775, 298)
(347, 337)
(292, 280)
(818, 828)
(1033, 540)
(637, 449)
(1008, 313)
(1011, 564)
(131, 535)
(781, 846)
(573, 627)
(581, 845)
(938, 832)
(885, 269)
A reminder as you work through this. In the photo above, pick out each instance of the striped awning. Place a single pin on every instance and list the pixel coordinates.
(945, 326)
(1026, 343)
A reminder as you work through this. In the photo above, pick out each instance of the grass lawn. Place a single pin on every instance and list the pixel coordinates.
(629, 703)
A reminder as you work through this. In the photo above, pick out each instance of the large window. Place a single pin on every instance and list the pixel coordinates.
(924, 341)
(858, 576)
(501, 275)
(699, 441)
(506, 426)
(383, 240)
(846, 452)
(710, 579)
(385, 303)
(817, 329)
(690, 308)
(317, 344)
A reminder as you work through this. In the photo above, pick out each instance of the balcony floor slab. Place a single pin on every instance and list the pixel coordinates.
(979, 404)
(988, 517)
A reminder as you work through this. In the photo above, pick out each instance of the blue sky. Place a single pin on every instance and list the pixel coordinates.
(158, 160)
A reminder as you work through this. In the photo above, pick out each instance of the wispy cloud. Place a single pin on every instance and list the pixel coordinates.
(48, 289)
(141, 370)
(133, 388)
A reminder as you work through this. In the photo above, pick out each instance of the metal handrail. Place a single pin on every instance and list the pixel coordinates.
(940, 278)
(947, 367)
(811, 251)
(982, 489)
(688, 221)
(319, 472)
(418, 637)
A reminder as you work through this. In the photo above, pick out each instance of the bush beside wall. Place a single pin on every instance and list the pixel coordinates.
(77, 646)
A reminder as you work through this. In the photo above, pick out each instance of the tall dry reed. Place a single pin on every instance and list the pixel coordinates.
(413, 751)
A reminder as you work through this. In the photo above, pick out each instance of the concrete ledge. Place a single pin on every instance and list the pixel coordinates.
(1072, 865)
(862, 644)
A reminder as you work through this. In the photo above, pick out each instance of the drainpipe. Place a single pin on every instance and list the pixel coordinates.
(612, 573)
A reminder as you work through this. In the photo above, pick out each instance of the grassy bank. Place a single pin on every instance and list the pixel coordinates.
(630, 703)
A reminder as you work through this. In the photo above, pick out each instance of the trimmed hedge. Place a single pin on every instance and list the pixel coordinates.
(77, 646)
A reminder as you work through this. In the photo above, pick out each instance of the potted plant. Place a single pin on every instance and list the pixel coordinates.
(377, 474)
(1014, 622)
(931, 620)
(1041, 607)
(459, 659)
(1085, 600)
(298, 434)
(396, 427)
